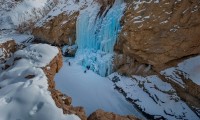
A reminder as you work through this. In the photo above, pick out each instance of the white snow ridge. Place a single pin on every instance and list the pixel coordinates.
(28, 99)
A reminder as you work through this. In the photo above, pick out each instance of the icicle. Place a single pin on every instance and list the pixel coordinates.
(96, 37)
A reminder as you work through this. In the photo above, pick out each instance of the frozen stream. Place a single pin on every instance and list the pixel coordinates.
(91, 90)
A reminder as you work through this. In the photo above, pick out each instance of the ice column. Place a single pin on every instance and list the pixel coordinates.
(96, 37)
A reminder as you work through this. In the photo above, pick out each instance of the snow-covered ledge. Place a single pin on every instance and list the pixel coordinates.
(24, 90)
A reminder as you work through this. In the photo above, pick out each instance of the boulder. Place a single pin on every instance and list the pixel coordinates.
(7, 49)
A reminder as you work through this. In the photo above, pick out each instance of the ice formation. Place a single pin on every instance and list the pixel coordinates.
(96, 36)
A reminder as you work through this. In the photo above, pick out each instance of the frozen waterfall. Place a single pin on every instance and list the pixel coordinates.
(96, 36)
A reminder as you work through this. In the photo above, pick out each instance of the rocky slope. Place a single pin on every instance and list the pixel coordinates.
(22, 14)
(161, 34)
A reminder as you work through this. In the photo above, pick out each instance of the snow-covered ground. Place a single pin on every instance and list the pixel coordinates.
(153, 96)
(24, 91)
(14, 13)
(67, 7)
(91, 90)
(190, 68)
(19, 38)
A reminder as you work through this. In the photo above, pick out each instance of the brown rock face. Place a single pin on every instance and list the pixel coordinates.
(128, 66)
(61, 100)
(157, 33)
(59, 30)
(102, 115)
(6, 49)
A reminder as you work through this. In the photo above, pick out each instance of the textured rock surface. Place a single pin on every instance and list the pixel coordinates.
(102, 115)
(61, 100)
(59, 30)
(6, 49)
(156, 33)
(129, 66)
(160, 35)
(190, 93)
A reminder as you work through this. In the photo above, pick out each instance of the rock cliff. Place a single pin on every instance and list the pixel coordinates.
(61, 100)
(60, 30)
(157, 33)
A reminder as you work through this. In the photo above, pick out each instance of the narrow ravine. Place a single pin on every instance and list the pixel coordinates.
(91, 91)
(84, 76)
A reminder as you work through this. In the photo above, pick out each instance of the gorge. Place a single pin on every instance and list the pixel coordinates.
(127, 57)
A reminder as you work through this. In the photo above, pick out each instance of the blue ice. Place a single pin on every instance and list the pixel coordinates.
(96, 37)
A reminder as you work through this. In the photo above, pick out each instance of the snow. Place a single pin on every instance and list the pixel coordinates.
(68, 7)
(91, 90)
(190, 68)
(138, 3)
(19, 38)
(15, 13)
(153, 96)
(28, 98)
(36, 52)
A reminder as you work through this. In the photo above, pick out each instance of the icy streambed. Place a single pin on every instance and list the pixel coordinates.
(91, 90)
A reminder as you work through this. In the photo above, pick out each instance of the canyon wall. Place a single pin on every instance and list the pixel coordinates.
(157, 33)
(154, 34)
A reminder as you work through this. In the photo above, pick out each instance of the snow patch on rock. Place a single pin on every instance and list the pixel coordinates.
(153, 96)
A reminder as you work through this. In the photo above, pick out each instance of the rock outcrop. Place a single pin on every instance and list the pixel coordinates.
(102, 115)
(129, 66)
(157, 33)
(61, 100)
(6, 49)
(60, 30)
